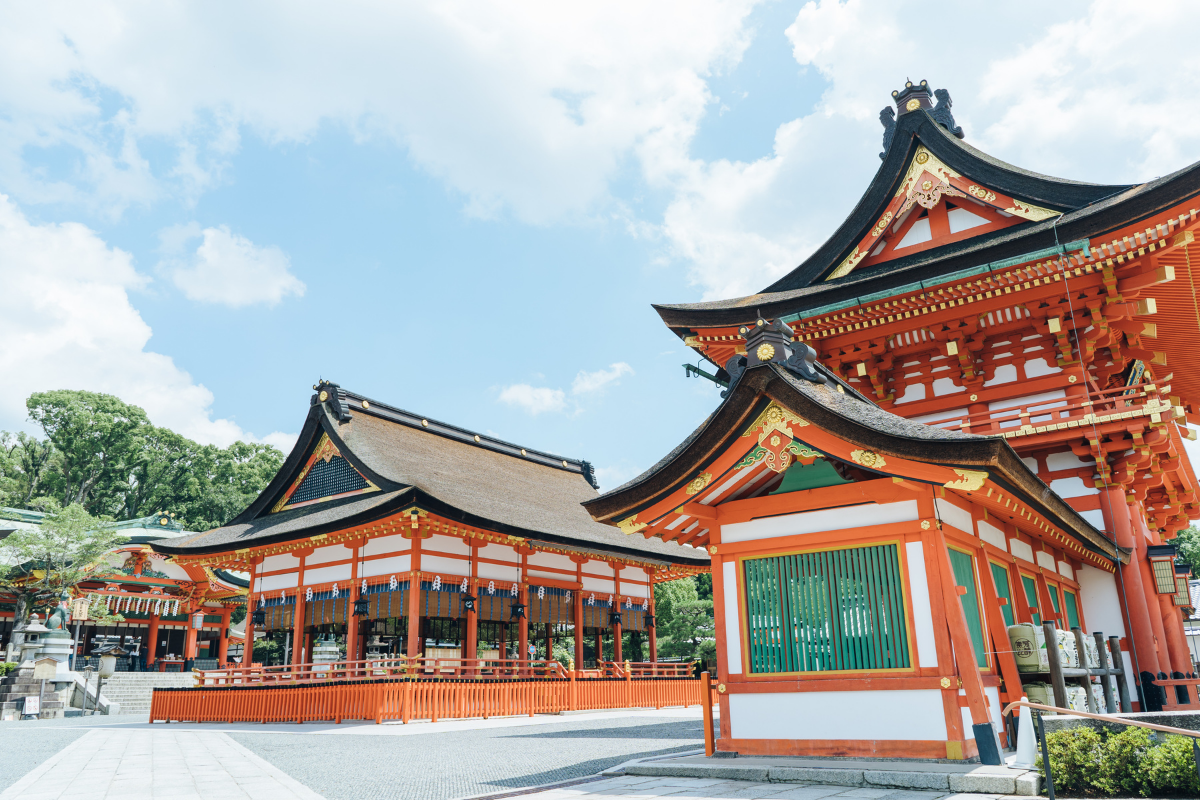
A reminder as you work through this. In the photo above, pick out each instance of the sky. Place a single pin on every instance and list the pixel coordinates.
(466, 209)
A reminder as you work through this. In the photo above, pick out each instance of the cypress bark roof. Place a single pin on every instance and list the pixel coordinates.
(475, 479)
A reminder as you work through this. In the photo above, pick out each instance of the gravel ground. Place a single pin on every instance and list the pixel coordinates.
(442, 766)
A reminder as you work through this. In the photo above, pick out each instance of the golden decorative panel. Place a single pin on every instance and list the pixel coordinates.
(699, 483)
(1030, 211)
(970, 480)
(630, 525)
(868, 458)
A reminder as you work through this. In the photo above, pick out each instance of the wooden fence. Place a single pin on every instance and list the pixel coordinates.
(405, 700)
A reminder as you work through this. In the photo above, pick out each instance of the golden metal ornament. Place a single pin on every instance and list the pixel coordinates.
(881, 225)
(970, 480)
(630, 525)
(912, 105)
(983, 194)
(765, 352)
(868, 458)
(945, 683)
(699, 483)
(774, 418)
(924, 524)
(323, 396)
(1030, 212)
(712, 549)
(721, 688)
(850, 262)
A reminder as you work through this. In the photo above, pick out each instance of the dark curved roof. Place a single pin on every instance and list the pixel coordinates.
(856, 421)
(437, 467)
(1089, 210)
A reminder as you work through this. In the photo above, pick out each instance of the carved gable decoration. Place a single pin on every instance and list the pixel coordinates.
(935, 205)
(777, 446)
(326, 475)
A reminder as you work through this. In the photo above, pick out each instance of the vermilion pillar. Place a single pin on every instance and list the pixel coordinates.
(299, 649)
(577, 615)
(549, 642)
(471, 645)
(616, 629)
(152, 640)
(1141, 635)
(223, 644)
(653, 630)
(523, 626)
(414, 601)
(251, 604)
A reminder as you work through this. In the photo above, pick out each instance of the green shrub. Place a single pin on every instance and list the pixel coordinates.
(7, 667)
(1094, 763)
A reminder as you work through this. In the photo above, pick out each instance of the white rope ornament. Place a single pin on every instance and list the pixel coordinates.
(645, 605)
(176, 611)
(437, 582)
(335, 590)
(541, 592)
(513, 590)
(364, 586)
(592, 599)
(308, 594)
(568, 595)
(393, 583)
(463, 588)
(491, 587)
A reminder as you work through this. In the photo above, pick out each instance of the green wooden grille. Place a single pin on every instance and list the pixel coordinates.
(1031, 597)
(1054, 599)
(1003, 589)
(964, 575)
(832, 610)
(1072, 609)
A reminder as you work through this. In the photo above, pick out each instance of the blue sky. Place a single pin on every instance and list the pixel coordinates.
(467, 210)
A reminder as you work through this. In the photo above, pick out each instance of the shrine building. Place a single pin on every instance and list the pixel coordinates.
(386, 533)
(965, 410)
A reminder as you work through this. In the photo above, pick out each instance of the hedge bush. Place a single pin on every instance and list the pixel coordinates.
(1091, 763)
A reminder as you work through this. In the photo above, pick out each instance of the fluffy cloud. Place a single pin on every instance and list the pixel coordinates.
(533, 399)
(69, 324)
(529, 107)
(231, 270)
(588, 382)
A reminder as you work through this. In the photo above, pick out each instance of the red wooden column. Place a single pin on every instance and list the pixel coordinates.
(523, 626)
(616, 629)
(549, 641)
(577, 616)
(251, 604)
(189, 639)
(414, 600)
(1137, 615)
(471, 645)
(152, 640)
(223, 645)
(301, 648)
(351, 596)
(599, 647)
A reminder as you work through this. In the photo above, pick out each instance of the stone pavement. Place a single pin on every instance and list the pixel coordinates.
(114, 764)
(632, 787)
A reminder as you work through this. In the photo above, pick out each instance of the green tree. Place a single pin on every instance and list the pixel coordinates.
(1188, 541)
(683, 621)
(42, 561)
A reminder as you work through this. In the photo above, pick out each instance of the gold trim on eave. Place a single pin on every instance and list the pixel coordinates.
(868, 458)
(699, 483)
(969, 480)
(630, 525)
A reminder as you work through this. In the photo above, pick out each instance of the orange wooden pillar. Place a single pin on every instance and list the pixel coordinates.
(616, 629)
(599, 647)
(351, 596)
(251, 605)
(549, 634)
(152, 640)
(1137, 615)
(299, 645)
(414, 601)
(652, 627)
(189, 641)
(577, 615)
(223, 645)
(471, 640)
(523, 627)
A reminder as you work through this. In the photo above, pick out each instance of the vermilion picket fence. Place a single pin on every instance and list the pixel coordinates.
(405, 700)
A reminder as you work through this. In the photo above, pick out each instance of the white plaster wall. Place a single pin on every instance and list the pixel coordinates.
(1020, 550)
(1101, 602)
(953, 515)
(501, 552)
(327, 574)
(597, 584)
(944, 386)
(1072, 487)
(1005, 373)
(555, 560)
(452, 566)
(635, 589)
(733, 636)
(321, 555)
(828, 519)
(385, 566)
(909, 715)
(912, 393)
(500, 572)
(1046, 560)
(991, 534)
(1065, 570)
(386, 544)
(445, 544)
(272, 563)
(918, 585)
(285, 581)
(1056, 462)
(993, 697)
(1037, 367)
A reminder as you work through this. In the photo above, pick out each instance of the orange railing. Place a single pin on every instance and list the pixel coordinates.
(416, 698)
(389, 668)
(647, 669)
(1049, 413)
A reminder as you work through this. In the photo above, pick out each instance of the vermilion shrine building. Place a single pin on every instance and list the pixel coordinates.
(385, 533)
(966, 409)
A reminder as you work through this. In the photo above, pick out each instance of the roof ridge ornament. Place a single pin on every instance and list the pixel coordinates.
(914, 97)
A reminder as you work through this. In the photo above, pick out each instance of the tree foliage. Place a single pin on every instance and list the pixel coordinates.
(683, 622)
(104, 455)
(1188, 541)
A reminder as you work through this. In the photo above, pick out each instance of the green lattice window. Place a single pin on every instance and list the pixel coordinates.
(832, 610)
(1003, 589)
(1072, 609)
(1031, 597)
(1054, 599)
(964, 575)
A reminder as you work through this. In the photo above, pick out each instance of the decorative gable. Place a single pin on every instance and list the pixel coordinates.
(326, 475)
(935, 205)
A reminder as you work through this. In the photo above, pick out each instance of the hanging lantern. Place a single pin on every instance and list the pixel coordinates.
(518, 611)
(260, 617)
(361, 607)
(614, 618)
(468, 602)
(649, 621)
(1162, 566)
(198, 620)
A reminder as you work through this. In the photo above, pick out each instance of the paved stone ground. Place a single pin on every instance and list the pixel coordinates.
(105, 759)
(627, 787)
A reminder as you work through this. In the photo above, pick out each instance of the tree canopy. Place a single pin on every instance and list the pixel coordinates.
(106, 456)
(684, 622)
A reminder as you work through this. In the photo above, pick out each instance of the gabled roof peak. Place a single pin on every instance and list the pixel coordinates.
(917, 97)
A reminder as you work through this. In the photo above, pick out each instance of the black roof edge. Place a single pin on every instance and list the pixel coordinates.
(232, 579)
(912, 130)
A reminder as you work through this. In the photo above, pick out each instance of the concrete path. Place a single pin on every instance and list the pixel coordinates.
(171, 765)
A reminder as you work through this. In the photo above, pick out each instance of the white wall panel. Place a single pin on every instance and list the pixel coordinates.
(499, 572)
(272, 582)
(326, 574)
(733, 636)
(451, 566)
(322, 555)
(501, 552)
(1046, 560)
(555, 560)
(828, 519)
(605, 585)
(386, 566)
(1020, 549)
(387, 544)
(906, 714)
(953, 515)
(918, 585)
(272, 563)
(991, 534)
(445, 544)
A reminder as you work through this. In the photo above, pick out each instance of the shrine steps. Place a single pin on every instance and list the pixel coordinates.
(133, 689)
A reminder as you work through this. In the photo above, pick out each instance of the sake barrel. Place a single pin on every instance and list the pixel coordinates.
(1040, 693)
(1029, 647)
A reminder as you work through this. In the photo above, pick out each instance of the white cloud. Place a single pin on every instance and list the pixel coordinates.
(610, 478)
(535, 400)
(68, 324)
(529, 107)
(231, 270)
(587, 382)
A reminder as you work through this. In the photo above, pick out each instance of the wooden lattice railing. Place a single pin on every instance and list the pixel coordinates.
(390, 668)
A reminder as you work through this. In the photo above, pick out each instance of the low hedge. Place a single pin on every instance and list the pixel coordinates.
(1091, 763)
